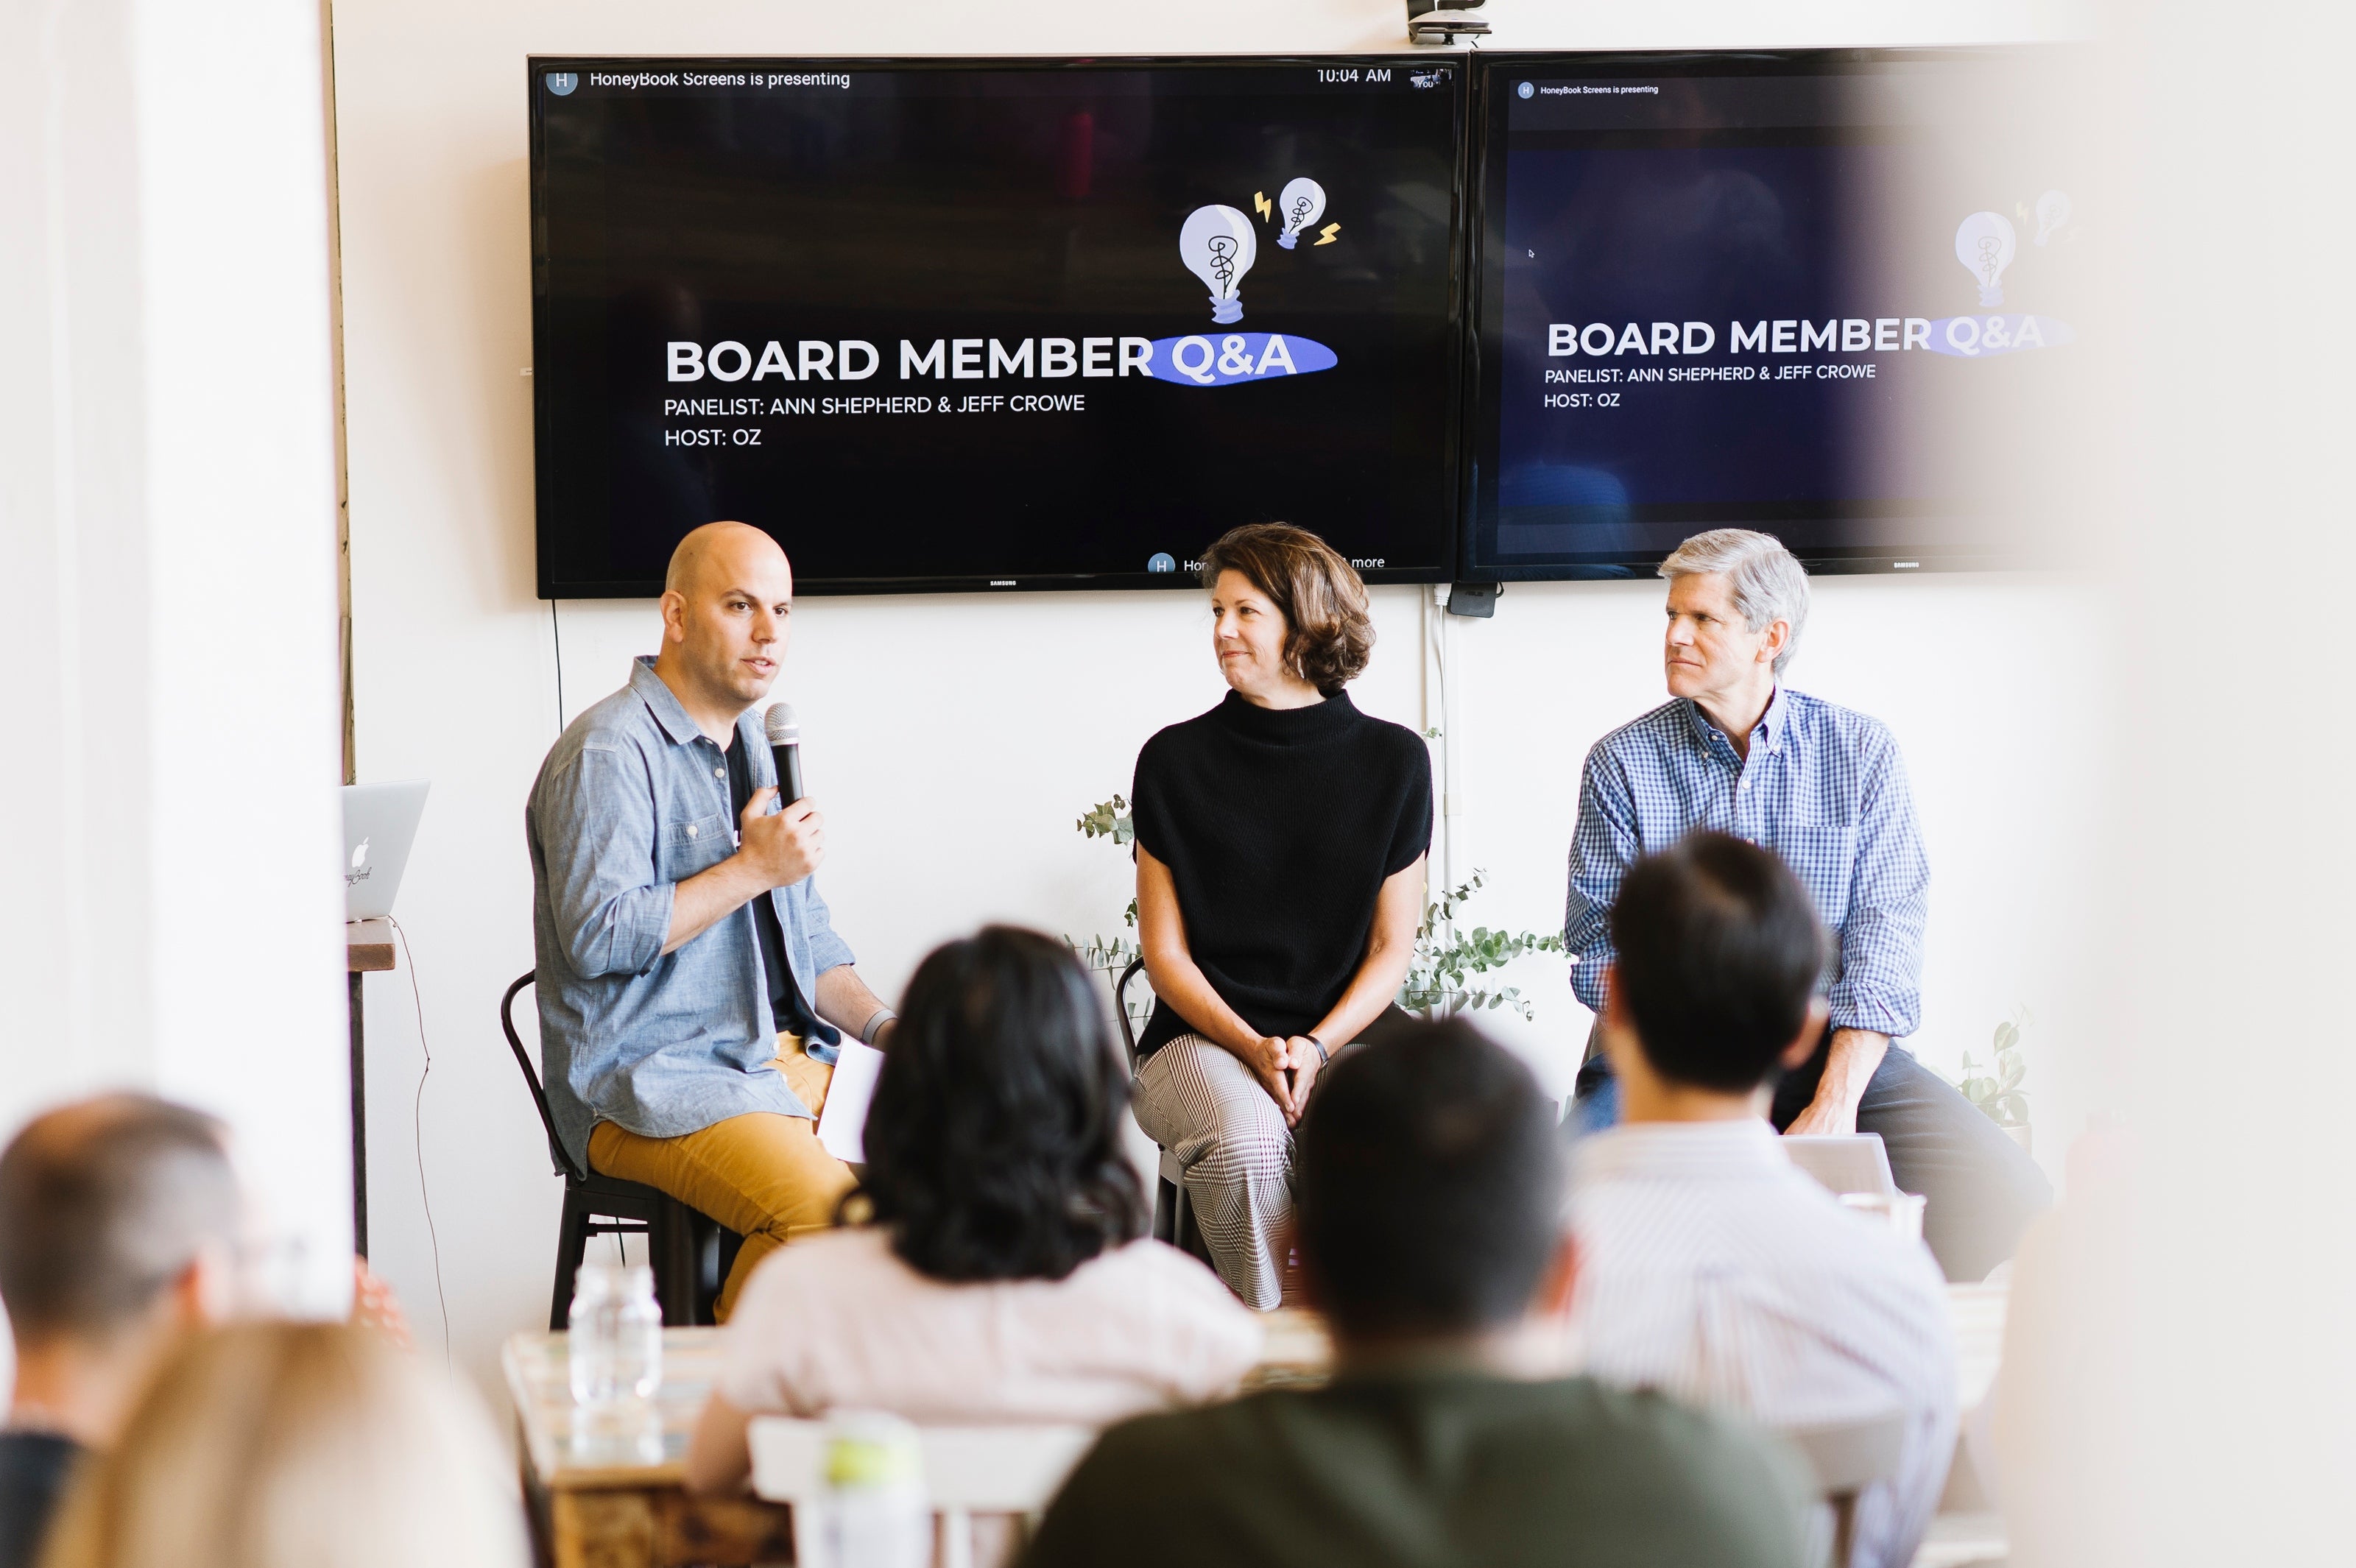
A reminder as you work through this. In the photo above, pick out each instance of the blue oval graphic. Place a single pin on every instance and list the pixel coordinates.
(1227, 359)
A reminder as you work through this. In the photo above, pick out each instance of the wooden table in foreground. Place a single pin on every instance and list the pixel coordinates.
(615, 1500)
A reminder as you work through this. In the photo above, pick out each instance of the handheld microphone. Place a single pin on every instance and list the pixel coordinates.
(785, 733)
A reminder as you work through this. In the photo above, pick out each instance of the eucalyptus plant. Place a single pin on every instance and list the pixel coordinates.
(1110, 820)
(1446, 959)
(1997, 1089)
(1439, 977)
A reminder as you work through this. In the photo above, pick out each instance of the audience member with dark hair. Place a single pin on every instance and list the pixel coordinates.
(1428, 1217)
(1713, 1269)
(1281, 845)
(296, 1445)
(120, 1225)
(999, 1272)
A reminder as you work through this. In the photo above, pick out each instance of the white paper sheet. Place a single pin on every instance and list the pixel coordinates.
(842, 1124)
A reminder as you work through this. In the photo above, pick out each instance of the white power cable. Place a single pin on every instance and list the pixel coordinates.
(417, 1137)
(1451, 794)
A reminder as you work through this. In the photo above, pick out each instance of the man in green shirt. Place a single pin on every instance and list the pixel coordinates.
(1428, 1189)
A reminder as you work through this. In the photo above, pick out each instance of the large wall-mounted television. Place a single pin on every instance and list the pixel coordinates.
(1004, 323)
(1839, 296)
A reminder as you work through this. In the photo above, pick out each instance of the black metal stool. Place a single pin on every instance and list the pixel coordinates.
(691, 1252)
(1173, 1217)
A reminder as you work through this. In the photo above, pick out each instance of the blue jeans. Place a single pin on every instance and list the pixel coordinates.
(1981, 1188)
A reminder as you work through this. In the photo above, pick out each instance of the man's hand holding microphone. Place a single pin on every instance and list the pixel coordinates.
(774, 848)
(793, 841)
(780, 848)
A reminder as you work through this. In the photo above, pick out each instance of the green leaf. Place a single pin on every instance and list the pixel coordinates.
(2013, 1070)
(2007, 1036)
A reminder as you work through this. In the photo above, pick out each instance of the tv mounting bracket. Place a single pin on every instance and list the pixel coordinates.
(1444, 21)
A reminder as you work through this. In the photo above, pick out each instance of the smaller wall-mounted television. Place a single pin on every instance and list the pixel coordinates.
(994, 324)
(1842, 297)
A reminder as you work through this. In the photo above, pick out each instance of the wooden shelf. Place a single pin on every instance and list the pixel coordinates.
(368, 946)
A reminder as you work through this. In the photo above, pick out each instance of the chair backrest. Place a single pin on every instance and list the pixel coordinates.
(1844, 1162)
(563, 1161)
(1120, 1009)
(1848, 1456)
(968, 1470)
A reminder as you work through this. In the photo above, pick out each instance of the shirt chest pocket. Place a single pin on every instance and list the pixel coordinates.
(1825, 859)
(695, 845)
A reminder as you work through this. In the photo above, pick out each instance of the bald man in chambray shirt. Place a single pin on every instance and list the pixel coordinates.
(692, 991)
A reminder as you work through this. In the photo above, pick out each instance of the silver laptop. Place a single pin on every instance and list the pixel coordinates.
(1844, 1162)
(380, 825)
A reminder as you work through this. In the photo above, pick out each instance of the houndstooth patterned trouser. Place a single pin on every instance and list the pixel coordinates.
(1198, 1102)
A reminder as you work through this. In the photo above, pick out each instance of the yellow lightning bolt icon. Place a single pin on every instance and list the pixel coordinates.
(1325, 235)
(1260, 201)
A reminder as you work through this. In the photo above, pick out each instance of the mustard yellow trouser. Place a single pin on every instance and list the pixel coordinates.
(763, 1175)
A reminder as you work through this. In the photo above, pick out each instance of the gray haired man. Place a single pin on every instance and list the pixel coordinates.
(1737, 750)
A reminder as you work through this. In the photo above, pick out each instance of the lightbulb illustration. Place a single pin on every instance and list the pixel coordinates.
(1218, 247)
(1983, 244)
(1302, 203)
(2053, 212)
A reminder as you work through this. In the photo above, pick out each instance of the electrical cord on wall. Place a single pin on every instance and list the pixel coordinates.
(557, 632)
(1437, 624)
(417, 1134)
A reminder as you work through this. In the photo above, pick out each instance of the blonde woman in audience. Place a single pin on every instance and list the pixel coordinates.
(999, 1275)
(296, 1445)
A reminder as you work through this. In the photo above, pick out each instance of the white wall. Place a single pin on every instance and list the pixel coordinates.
(172, 916)
(955, 740)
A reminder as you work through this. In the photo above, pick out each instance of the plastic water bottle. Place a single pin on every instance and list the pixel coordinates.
(614, 1343)
(876, 1512)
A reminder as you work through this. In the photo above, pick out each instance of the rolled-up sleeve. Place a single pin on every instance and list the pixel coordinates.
(1880, 983)
(594, 819)
(1603, 846)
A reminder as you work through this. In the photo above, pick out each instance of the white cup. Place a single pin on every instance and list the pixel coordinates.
(1902, 1211)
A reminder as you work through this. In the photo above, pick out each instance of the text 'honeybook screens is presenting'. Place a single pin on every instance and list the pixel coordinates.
(958, 327)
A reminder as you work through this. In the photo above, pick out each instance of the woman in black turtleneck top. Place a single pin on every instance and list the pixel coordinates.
(1280, 843)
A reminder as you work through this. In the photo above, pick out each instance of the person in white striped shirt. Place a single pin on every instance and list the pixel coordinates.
(1712, 1269)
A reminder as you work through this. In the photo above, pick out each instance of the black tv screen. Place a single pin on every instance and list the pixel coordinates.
(1012, 323)
(1837, 296)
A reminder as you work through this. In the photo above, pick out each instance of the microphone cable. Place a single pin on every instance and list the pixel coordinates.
(417, 1130)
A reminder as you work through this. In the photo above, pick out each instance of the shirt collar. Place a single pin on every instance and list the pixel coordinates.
(1777, 719)
(1744, 1148)
(1772, 723)
(662, 701)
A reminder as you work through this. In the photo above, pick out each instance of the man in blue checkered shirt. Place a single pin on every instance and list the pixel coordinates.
(1735, 750)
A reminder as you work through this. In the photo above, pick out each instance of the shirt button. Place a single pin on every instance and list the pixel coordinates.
(691, 831)
(720, 772)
